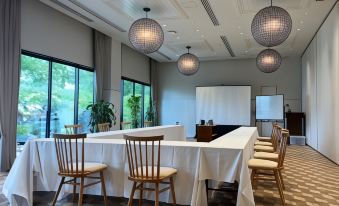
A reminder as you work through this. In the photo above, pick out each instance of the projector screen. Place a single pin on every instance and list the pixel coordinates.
(269, 107)
(225, 105)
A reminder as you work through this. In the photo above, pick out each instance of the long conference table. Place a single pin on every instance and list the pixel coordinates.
(224, 159)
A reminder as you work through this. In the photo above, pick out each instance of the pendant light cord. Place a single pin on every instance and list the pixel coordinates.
(271, 3)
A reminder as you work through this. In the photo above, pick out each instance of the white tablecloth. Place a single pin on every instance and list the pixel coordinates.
(170, 132)
(224, 159)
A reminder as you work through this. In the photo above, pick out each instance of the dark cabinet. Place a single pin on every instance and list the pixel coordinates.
(295, 123)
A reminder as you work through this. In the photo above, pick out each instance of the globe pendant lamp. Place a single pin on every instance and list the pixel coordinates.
(146, 35)
(188, 64)
(268, 61)
(271, 26)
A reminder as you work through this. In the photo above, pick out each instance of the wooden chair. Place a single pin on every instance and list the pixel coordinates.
(126, 125)
(260, 167)
(144, 168)
(148, 123)
(73, 128)
(73, 166)
(271, 141)
(273, 156)
(104, 127)
(268, 139)
(273, 148)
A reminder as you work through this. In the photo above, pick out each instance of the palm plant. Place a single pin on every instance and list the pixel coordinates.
(134, 104)
(101, 112)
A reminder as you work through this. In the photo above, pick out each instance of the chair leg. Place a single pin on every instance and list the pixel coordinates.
(281, 179)
(59, 189)
(253, 174)
(81, 191)
(130, 201)
(141, 191)
(74, 189)
(281, 191)
(173, 192)
(156, 194)
(103, 187)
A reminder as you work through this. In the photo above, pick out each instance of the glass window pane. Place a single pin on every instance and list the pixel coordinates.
(86, 92)
(33, 98)
(138, 92)
(128, 92)
(62, 102)
(147, 99)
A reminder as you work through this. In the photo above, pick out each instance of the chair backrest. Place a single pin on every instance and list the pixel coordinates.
(126, 125)
(73, 128)
(67, 151)
(104, 127)
(143, 165)
(283, 145)
(148, 123)
(274, 135)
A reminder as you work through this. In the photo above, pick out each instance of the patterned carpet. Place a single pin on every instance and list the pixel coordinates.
(310, 180)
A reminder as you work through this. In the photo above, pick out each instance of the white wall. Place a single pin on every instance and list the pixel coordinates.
(47, 31)
(320, 88)
(176, 92)
(135, 65)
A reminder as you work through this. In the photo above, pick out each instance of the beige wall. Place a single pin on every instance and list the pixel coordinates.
(135, 65)
(177, 92)
(49, 32)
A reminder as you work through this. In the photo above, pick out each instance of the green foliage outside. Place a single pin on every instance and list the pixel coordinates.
(33, 97)
(128, 93)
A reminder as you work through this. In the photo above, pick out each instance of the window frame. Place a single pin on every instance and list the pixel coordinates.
(142, 111)
(77, 68)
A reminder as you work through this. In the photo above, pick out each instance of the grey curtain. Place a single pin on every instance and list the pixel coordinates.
(102, 61)
(154, 90)
(10, 14)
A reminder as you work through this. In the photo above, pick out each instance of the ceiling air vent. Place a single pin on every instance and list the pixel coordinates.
(227, 45)
(82, 6)
(164, 55)
(71, 10)
(210, 12)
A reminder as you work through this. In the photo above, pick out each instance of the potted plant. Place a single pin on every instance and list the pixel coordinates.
(134, 104)
(150, 114)
(101, 112)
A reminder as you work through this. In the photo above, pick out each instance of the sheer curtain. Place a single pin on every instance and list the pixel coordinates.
(10, 14)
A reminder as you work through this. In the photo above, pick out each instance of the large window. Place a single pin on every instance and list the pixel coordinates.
(52, 93)
(129, 88)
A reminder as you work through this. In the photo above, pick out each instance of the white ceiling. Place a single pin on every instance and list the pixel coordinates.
(194, 27)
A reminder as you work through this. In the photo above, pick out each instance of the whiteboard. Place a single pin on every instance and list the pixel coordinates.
(269, 107)
(225, 105)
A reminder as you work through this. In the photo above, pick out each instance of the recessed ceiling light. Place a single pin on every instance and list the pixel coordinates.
(164, 25)
(241, 33)
(298, 29)
(198, 30)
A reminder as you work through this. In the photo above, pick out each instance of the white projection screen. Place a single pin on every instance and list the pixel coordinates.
(225, 105)
(269, 107)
